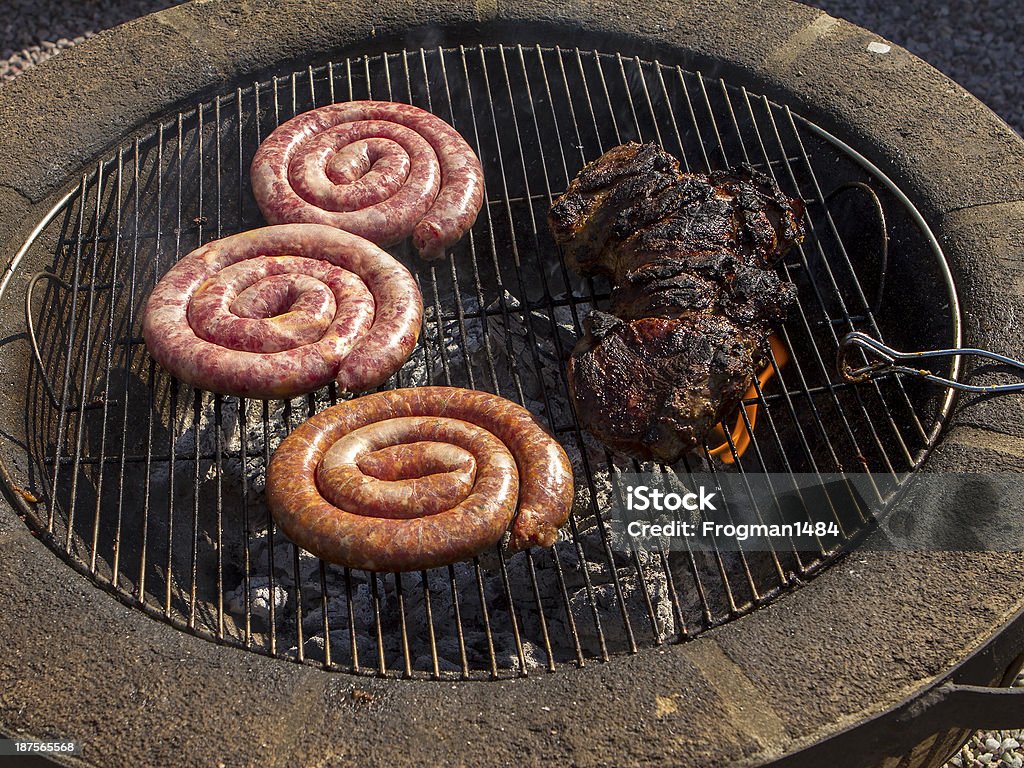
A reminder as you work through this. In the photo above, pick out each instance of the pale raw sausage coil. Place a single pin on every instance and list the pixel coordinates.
(281, 311)
(379, 169)
(417, 478)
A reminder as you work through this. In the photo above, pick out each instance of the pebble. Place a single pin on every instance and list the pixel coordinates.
(992, 749)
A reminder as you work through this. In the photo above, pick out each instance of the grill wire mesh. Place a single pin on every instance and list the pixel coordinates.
(155, 489)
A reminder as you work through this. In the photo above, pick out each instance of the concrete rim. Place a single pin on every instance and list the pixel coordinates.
(744, 690)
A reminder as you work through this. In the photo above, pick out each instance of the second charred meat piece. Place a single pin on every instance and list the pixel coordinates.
(694, 295)
(719, 285)
(654, 387)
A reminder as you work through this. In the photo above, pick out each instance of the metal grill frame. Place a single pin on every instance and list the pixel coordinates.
(114, 167)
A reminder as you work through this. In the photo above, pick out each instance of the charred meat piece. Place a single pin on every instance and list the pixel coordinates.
(633, 205)
(694, 295)
(654, 387)
(664, 288)
(674, 288)
(586, 219)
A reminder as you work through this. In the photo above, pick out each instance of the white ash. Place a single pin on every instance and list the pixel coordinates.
(261, 546)
(338, 609)
(534, 349)
(497, 353)
(591, 573)
(610, 613)
(449, 350)
(587, 568)
(341, 648)
(261, 595)
(594, 569)
(261, 440)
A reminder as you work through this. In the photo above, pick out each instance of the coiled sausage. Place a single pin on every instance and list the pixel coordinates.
(416, 478)
(281, 311)
(379, 169)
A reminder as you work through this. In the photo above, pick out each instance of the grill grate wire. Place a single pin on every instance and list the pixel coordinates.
(152, 488)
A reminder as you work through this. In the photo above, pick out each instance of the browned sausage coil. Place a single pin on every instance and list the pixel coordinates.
(417, 478)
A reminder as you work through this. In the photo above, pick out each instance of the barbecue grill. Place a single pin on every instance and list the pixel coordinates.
(152, 491)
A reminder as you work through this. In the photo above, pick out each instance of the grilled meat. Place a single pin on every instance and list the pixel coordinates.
(677, 288)
(654, 387)
(634, 205)
(588, 219)
(694, 296)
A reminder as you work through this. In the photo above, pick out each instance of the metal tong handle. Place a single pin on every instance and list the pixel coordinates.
(30, 323)
(890, 362)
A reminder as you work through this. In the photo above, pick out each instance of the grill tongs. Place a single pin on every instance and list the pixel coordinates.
(883, 360)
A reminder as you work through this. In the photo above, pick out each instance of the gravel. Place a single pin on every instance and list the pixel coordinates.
(992, 748)
(32, 31)
(978, 44)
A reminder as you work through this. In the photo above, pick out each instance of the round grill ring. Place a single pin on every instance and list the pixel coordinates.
(159, 479)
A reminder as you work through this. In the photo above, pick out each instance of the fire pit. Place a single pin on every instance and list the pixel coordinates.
(154, 491)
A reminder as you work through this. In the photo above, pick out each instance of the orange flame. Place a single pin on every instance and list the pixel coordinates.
(740, 433)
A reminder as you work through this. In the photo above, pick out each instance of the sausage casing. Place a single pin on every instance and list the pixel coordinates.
(404, 435)
(379, 169)
(281, 311)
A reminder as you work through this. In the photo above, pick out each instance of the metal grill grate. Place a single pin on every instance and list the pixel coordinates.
(155, 490)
